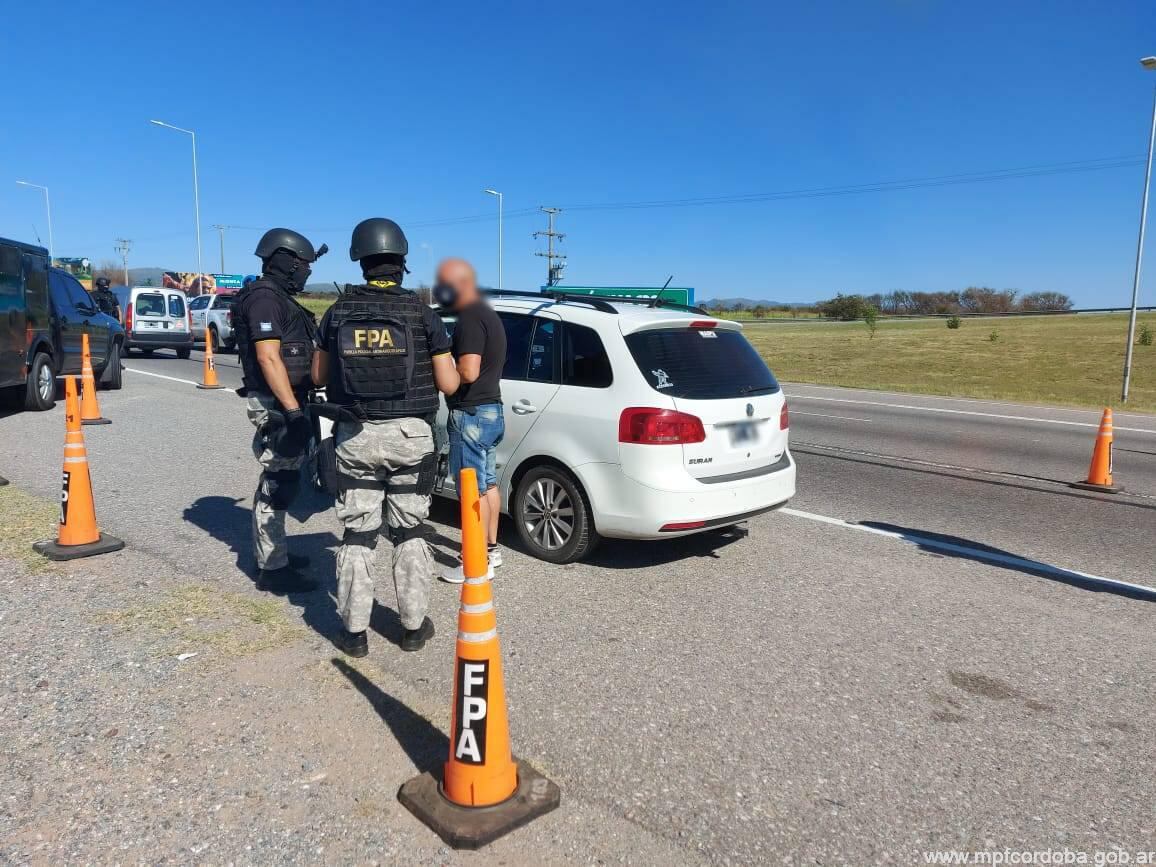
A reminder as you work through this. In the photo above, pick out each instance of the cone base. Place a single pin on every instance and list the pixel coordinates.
(474, 827)
(96, 421)
(202, 385)
(53, 550)
(3, 481)
(1103, 489)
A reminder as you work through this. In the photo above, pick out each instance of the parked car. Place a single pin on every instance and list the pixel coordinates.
(158, 318)
(216, 311)
(631, 421)
(43, 314)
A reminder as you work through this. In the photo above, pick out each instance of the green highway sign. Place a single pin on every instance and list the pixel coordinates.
(674, 294)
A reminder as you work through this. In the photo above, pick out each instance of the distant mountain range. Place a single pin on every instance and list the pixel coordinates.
(746, 303)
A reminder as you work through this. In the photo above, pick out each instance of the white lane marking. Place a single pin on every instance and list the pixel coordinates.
(174, 378)
(997, 558)
(821, 415)
(989, 401)
(941, 409)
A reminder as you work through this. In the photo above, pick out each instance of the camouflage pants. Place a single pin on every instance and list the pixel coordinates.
(274, 489)
(388, 452)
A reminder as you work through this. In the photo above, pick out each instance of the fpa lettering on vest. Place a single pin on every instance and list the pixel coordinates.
(372, 340)
(470, 726)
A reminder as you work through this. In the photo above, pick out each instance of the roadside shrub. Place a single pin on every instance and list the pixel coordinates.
(846, 308)
(994, 336)
(1145, 334)
(871, 319)
(954, 321)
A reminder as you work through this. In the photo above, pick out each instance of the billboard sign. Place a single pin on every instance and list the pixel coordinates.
(229, 282)
(674, 294)
(189, 282)
(80, 268)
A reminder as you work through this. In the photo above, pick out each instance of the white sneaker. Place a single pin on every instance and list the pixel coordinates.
(457, 574)
(495, 554)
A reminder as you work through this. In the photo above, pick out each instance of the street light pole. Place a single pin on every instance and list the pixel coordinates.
(48, 208)
(501, 284)
(196, 192)
(221, 232)
(1147, 63)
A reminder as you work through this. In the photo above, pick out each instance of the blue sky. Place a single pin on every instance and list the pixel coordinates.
(328, 113)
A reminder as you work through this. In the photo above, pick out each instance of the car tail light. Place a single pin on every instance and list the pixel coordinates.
(128, 318)
(704, 324)
(681, 525)
(784, 417)
(190, 317)
(652, 426)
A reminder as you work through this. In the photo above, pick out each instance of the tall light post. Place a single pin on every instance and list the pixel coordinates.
(501, 286)
(47, 207)
(1148, 63)
(196, 190)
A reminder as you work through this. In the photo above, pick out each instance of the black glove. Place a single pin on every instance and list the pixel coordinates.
(295, 435)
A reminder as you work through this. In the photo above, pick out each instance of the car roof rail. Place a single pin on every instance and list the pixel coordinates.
(604, 303)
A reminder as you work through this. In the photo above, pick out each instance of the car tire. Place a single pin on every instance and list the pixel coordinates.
(40, 391)
(184, 352)
(553, 515)
(214, 339)
(146, 350)
(112, 377)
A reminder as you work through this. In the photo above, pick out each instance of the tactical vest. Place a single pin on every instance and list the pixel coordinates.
(379, 361)
(297, 338)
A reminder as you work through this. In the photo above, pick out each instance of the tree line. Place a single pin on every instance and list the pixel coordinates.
(974, 299)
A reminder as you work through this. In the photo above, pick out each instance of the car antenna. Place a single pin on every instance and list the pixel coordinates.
(654, 301)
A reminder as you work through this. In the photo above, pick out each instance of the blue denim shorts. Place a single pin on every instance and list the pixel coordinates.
(474, 442)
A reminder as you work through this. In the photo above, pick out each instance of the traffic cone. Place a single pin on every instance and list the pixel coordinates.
(1100, 472)
(484, 792)
(210, 377)
(89, 405)
(77, 535)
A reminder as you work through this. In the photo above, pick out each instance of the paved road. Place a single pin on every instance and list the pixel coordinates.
(807, 691)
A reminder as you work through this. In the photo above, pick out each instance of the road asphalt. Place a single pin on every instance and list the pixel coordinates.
(800, 691)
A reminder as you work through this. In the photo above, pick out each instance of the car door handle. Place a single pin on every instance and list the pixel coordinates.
(523, 407)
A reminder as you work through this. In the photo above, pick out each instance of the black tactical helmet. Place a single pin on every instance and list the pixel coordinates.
(375, 236)
(285, 239)
(102, 283)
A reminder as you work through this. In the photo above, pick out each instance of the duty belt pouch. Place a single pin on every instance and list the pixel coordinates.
(327, 479)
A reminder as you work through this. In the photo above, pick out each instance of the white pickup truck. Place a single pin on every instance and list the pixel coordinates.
(217, 312)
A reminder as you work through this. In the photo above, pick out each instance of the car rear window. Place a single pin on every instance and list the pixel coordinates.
(152, 304)
(176, 306)
(700, 364)
(224, 301)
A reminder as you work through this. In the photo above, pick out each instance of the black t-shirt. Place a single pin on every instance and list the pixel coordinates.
(266, 316)
(435, 332)
(479, 332)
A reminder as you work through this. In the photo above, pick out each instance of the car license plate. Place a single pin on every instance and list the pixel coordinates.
(148, 324)
(744, 432)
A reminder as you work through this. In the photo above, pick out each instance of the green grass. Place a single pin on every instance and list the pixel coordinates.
(1073, 360)
(317, 306)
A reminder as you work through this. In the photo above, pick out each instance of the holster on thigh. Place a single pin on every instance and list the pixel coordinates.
(427, 471)
(398, 535)
(366, 538)
(278, 488)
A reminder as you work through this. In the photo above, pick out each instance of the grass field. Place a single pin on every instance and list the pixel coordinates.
(317, 306)
(1075, 360)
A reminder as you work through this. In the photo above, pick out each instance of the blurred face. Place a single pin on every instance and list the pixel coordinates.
(459, 274)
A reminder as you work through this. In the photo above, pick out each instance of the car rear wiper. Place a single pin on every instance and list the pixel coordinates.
(758, 389)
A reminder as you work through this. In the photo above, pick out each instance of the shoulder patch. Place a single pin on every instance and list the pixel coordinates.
(266, 326)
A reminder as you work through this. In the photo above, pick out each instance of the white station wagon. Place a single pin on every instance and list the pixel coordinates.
(632, 421)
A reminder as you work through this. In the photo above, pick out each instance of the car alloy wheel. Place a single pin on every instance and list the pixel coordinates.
(548, 514)
(46, 383)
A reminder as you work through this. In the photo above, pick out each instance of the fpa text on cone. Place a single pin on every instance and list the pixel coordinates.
(484, 792)
(89, 404)
(77, 535)
(1100, 471)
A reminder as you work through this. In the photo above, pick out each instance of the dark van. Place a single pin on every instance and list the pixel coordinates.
(43, 314)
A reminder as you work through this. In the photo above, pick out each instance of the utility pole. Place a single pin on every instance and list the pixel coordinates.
(553, 272)
(221, 232)
(123, 245)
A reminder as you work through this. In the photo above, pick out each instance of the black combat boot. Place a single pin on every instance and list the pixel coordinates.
(352, 643)
(284, 580)
(415, 639)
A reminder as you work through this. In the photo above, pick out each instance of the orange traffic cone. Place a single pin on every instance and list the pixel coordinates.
(77, 535)
(89, 405)
(484, 791)
(210, 377)
(1100, 471)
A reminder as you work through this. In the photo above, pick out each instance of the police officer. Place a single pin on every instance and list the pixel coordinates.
(383, 356)
(105, 299)
(275, 337)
